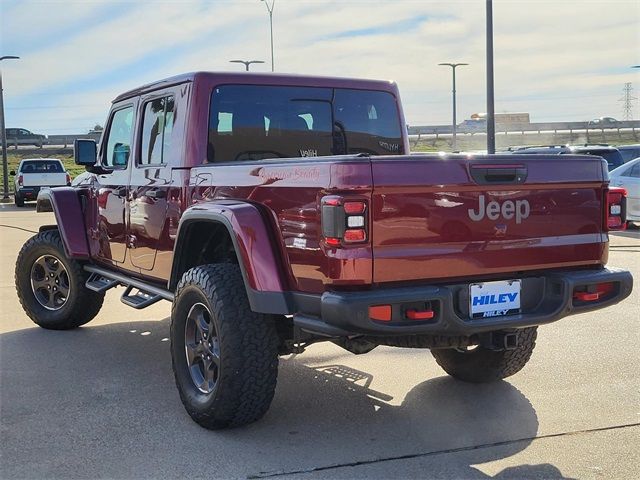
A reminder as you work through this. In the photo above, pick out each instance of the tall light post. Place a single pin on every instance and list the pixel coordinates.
(3, 130)
(270, 10)
(246, 63)
(454, 124)
(491, 118)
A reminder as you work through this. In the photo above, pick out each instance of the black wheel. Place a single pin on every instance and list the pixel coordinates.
(51, 287)
(18, 200)
(224, 356)
(480, 365)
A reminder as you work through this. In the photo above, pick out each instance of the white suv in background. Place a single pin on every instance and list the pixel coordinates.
(36, 173)
(627, 176)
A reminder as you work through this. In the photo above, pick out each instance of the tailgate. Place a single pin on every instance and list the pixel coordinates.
(458, 216)
(44, 179)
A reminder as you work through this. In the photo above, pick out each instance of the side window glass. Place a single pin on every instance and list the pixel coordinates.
(119, 139)
(635, 171)
(157, 129)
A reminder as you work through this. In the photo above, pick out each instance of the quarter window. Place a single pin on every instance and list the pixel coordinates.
(119, 139)
(634, 172)
(157, 130)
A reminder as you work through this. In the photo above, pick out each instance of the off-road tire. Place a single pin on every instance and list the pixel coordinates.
(81, 305)
(482, 365)
(18, 200)
(247, 349)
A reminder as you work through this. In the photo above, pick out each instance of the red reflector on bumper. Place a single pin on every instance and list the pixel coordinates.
(380, 312)
(419, 314)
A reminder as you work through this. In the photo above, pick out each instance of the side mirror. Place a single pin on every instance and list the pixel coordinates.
(12, 173)
(85, 152)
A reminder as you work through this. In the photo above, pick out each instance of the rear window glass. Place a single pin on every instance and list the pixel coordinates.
(250, 122)
(613, 157)
(630, 153)
(370, 121)
(41, 166)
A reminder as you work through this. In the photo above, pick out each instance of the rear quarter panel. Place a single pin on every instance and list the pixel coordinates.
(288, 193)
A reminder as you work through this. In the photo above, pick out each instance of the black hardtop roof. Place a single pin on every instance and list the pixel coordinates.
(261, 78)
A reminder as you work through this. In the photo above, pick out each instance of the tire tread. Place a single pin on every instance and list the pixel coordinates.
(483, 365)
(88, 303)
(247, 388)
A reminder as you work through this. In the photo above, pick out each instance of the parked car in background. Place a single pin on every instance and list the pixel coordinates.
(36, 173)
(603, 122)
(21, 136)
(473, 126)
(628, 177)
(610, 154)
(629, 152)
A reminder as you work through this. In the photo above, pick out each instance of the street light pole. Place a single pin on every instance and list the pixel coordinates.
(491, 120)
(3, 131)
(246, 63)
(270, 10)
(455, 124)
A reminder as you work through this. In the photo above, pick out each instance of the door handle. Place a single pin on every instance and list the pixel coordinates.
(156, 194)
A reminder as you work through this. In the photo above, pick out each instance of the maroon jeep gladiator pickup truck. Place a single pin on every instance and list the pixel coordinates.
(276, 211)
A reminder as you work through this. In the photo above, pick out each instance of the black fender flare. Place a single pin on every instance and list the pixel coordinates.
(66, 205)
(259, 263)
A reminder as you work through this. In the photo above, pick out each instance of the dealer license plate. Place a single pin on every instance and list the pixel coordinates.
(494, 299)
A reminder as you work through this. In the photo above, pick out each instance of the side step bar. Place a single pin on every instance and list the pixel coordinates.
(138, 294)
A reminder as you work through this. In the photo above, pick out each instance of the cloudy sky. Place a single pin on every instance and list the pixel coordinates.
(558, 60)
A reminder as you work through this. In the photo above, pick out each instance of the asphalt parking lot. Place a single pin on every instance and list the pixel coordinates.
(100, 401)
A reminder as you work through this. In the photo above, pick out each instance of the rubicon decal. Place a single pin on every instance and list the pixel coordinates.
(493, 210)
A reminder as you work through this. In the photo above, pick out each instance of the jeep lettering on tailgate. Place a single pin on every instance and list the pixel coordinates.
(493, 210)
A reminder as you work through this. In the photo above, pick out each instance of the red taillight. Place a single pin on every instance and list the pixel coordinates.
(68, 179)
(594, 292)
(354, 208)
(615, 207)
(20, 180)
(343, 221)
(352, 236)
(380, 312)
(334, 242)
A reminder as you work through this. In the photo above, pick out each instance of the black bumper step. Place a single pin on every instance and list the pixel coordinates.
(138, 299)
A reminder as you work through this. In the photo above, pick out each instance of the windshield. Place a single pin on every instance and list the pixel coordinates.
(249, 122)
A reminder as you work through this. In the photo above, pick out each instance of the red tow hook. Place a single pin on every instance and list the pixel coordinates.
(586, 296)
(419, 314)
(597, 291)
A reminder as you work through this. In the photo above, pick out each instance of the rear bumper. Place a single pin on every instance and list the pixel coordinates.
(28, 193)
(545, 299)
